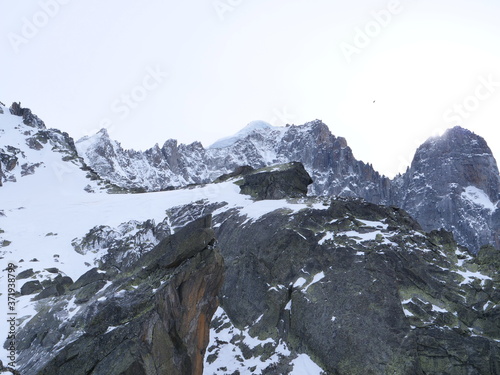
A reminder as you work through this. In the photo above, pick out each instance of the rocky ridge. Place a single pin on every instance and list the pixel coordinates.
(145, 316)
(327, 158)
(453, 172)
(454, 183)
(26, 144)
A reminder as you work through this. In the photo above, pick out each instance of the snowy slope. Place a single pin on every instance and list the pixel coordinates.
(44, 212)
(479, 198)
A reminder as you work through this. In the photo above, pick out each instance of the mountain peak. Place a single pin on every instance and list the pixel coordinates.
(103, 132)
(454, 142)
(29, 118)
(453, 179)
(458, 130)
(458, 134)
(253, 126)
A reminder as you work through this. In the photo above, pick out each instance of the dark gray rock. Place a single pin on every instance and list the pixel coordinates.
(152, 318)
(29, 169)
(91, 276)
(488, 258)
(31, 287)
(25, 274)
(56, 287)
(360, 307)
(34, 144)
(239, 171)
(29, 118)
(284, 181)
(449, 179)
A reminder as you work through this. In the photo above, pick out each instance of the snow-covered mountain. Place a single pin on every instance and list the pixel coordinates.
(67, 233)
(110, 282)
(450, 178)
(327, 158)
(454, 183)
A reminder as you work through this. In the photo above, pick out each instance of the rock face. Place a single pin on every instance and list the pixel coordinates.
(454, 183)
(358, 287)
(29, 118)
(149, 317)
(285, 181)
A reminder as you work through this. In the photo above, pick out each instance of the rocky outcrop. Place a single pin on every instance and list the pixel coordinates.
(360, 288)
(454, 183)
(29, 118)
(239, 171)
(8, 161)
(284, 181)
(150, 317)
(8, 370)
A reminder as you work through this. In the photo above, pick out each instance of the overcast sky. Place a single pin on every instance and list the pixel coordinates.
(384, 74)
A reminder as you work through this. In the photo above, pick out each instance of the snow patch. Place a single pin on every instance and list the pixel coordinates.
(479, 198)
(408, 313)
(316, 278)
(438, 309)
(304, 365)
(469, 277)
(329, 236)
(224, 356)
(374, 224)
(299, 283)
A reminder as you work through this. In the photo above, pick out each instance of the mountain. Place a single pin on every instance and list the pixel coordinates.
(328, 159)
(453, 182)
(249, 275)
